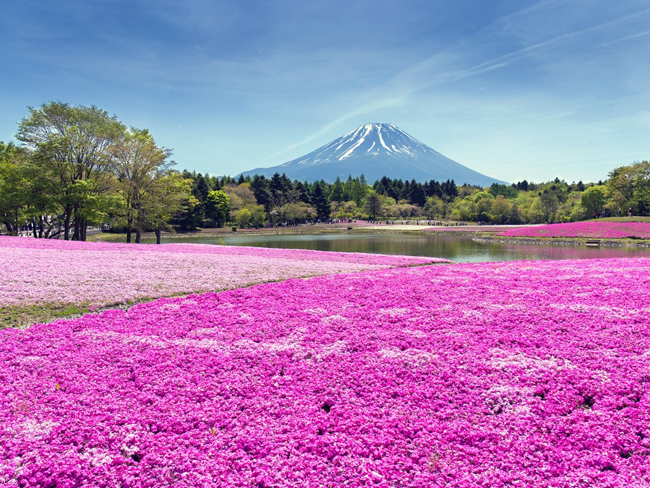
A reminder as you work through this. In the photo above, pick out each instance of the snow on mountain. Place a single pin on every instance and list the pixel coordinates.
(376, 150)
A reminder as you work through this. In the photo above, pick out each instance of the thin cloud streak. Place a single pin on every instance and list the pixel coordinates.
(454, 76)
(622, 39)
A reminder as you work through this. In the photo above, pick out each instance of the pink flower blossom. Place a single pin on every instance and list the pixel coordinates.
(529, 374)
(604, 230)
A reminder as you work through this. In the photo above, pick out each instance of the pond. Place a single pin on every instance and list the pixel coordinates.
(454, 248)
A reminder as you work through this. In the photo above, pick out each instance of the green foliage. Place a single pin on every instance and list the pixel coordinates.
(217, 206)
(507, 191)
(142, 169)
(321, 203)
(372, 205)
(593, 199)
(69, 144)
(629, 187)
(14, 187)
(501, 210)
(243, 218)
(435, 208)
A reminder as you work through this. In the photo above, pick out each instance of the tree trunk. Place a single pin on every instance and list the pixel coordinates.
(158, 235)
(66, 223)
(129, 228)
(138, 227)
(79, 229)
(17, 227)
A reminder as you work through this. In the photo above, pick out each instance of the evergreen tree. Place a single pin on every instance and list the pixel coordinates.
(201, 189)
(336, 193)
(301, 192)
(320, 203)
(347, 189)
(276, 186)
(260, 188)
(449, 190)
(417, 195)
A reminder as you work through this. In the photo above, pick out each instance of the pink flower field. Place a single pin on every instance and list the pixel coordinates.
(473, 228)
(518, 374)
(604, 230)
(37, 271)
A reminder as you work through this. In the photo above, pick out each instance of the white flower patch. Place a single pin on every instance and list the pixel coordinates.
(97, 457)
(333, 318)
(336, 348)
(502, 359)
(412, 356)
(316, 311)
(32, 429)
(507, 399)
(394, 312)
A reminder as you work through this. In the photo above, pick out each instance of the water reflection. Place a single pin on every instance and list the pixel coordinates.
(454, 248)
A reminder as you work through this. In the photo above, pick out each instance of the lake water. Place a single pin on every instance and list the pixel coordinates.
(454, 248)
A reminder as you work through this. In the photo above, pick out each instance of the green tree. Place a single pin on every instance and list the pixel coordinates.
(14, 187)
(629, 187)
(70, 143)
(258, 215)
(217, 207)
(164, 199)
(501, 209)
(138, 163)
(593, 199)
(435, 208)
(336, 195)
(507, 191)
(319, 200)
(187, 218)
(372, 205)
(243, 218)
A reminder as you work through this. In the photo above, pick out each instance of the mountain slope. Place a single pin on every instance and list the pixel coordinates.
(376, 150)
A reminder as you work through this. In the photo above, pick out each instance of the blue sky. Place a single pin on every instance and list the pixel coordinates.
(510, 88)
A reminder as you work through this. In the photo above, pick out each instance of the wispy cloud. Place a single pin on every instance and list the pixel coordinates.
(440, 70)
(622, 39)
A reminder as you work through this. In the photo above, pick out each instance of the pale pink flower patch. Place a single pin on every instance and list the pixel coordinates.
(37, 271)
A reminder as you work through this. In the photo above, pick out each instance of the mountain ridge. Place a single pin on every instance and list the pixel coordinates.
(376, 150)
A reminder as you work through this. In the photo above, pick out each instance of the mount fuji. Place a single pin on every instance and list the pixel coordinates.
(376, 150)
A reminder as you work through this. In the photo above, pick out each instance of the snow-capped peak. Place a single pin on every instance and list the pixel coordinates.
(376, 150)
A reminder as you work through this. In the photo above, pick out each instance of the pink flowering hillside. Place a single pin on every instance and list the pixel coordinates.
(38, 271)
(530, 374)
(603, 230)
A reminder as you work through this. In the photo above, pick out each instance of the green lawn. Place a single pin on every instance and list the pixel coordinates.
(621, 219)
(20, 317)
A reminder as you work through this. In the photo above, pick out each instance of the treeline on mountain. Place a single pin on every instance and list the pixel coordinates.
(78, 166)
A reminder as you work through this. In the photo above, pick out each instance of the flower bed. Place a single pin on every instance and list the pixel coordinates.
(602, 230)
(38, 271)
(527, 374)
